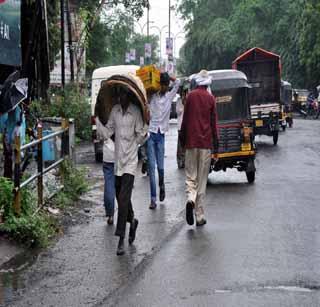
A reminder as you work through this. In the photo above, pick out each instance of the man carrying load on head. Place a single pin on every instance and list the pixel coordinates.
(126, 123)
(160, 106)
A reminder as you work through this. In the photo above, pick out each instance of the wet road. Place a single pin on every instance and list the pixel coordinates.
(261, 244)
(259, 248)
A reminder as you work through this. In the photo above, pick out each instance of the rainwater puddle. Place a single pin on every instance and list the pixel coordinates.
(11, 280)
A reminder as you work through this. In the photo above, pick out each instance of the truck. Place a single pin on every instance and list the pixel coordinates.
(263, 71)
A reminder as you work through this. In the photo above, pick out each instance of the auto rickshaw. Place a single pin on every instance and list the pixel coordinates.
(236, 146)
(299, 100)
(286, 104)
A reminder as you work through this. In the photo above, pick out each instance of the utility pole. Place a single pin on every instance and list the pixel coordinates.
(148, 9)
(148, 60)
(70, 42)
(169, 19)
(62, 42)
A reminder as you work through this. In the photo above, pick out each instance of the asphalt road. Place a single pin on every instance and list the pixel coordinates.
(260, 246)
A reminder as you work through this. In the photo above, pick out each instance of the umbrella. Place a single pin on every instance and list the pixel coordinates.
(13, 92)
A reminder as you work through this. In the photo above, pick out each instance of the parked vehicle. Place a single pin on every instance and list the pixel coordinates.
(98, 76)
(286, 103)
(263, 71)
(236, 147)
(299, 100)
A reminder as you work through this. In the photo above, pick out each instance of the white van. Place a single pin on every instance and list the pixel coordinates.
(99, 75)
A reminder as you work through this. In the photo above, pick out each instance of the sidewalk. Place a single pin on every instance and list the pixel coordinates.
(82, 268)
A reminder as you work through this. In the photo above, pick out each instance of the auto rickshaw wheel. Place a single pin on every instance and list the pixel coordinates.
(251, 176)
(275, 137)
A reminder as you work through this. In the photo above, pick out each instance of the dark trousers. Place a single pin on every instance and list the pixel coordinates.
(124, 186)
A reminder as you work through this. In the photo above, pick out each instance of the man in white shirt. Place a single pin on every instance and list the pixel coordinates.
(160, 106)
(126, 123)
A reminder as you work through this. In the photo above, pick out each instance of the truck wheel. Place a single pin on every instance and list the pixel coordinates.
(275, 137)
(251, 176)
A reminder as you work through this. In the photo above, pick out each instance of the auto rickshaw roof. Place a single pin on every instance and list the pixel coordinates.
(228, 79)
(255, 53)
(286, 84)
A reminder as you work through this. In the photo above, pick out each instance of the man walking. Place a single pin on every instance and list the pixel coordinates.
(199, 134)
(160, 106)
(126, 123)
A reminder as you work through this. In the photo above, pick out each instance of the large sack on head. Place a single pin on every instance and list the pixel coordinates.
(108, 95)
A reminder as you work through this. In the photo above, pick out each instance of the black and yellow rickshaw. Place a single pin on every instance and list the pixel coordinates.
(236, 145)
(299, 100)
(286, 104)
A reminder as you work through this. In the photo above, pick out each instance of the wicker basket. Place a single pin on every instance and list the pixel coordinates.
(107, 96)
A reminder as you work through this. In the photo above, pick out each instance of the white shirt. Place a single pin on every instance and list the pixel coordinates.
(108, 151)
(129, 131)
(160, 106)
(180, 109)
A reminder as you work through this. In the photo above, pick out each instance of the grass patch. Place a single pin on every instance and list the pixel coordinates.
(35, 228)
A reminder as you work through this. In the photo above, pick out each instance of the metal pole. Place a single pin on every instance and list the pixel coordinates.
(17, 191)
(169, 19)
(70, 42)
(148, 9)
(40, 165)
(62, 42)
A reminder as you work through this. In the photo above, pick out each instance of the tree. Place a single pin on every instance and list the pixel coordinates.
(218, 31)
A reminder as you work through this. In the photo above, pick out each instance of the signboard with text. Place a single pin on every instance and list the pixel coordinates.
(10, 46)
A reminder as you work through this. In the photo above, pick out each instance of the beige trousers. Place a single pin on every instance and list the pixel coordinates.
(197, 166)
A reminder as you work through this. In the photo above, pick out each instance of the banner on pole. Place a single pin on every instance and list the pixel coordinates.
(127, 59)
(169, 46)
(10, 47)
(147, 50)
(141, 61)
(132, 54)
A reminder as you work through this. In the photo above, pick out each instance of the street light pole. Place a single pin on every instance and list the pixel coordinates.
(148, 9)
(169, 18)
(62, 42)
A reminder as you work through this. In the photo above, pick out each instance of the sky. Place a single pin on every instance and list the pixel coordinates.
(159, 17)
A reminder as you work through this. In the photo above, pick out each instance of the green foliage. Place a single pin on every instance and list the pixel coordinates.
(29, 228)
(74, 104)
(33, 227)
(53, 30)
(219, 30)
(111, 37)
(6, 195)
(74, 180)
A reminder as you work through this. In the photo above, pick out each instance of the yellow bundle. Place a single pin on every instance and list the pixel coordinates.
(150, 76)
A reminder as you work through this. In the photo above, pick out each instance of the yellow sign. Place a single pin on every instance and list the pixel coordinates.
(259, 123)
(223, 99)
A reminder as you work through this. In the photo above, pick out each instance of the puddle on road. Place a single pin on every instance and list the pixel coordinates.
(11, 280)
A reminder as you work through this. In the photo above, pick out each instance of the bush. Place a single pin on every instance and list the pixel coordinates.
(74, 104)
(30, 228)
(74, 182)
